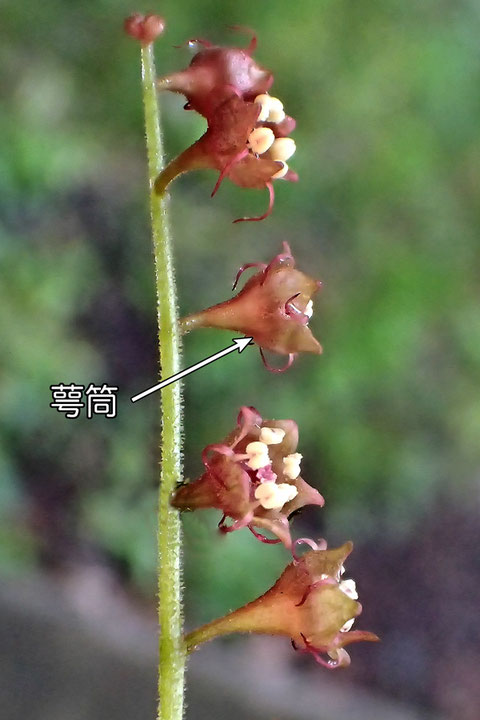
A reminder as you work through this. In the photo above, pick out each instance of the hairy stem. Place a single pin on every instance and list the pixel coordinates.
(171, 649)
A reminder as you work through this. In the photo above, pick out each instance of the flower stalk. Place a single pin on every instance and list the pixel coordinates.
(171, 649)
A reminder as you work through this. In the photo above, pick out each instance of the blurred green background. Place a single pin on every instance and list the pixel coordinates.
(386, 214)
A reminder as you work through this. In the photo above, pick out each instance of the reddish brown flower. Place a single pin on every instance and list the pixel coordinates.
(274, 308)
(246, 139)
(145, 28)
(253, 477)
(310, 603)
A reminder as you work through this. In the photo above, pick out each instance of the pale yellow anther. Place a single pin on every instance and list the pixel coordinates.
(347, 626)
(288, 491)
(273, 496)
(291, 465)
(260, 140)
(283, 149)
(271, 436)
(272, 109)
(277, 113)
(309, 309)
(257, 455)
(281, 173)
(349, 588)
(264, 101)
(269, 496)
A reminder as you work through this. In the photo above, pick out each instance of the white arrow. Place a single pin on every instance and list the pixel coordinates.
(238, 344)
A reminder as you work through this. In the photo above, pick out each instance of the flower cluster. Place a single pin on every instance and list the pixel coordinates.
(247, 139)
(253, 478)
(310, 603)
(274, 308)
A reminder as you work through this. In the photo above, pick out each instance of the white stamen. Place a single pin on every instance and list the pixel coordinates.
(347, 626)
(349, 588)
(339, 656)
(264, 101)
(280, 173)
(257, 455)
(309, 309)
(283, 149)
(291, 465)
(260, 140)
(273, 496)
(272, 109)
(271, 436)
(277, 113)
(288, 491)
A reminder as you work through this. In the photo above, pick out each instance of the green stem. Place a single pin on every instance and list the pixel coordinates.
(171, 650)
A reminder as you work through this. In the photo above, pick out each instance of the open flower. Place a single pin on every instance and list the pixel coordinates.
(253, 477)
(247, 135)
(274, 308)
(310, 603)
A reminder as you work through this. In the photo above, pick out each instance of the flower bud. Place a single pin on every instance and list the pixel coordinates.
(145, 28)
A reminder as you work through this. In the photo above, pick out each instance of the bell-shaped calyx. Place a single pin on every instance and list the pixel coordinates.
(253, 478)
(274, 308)
(309, 603)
